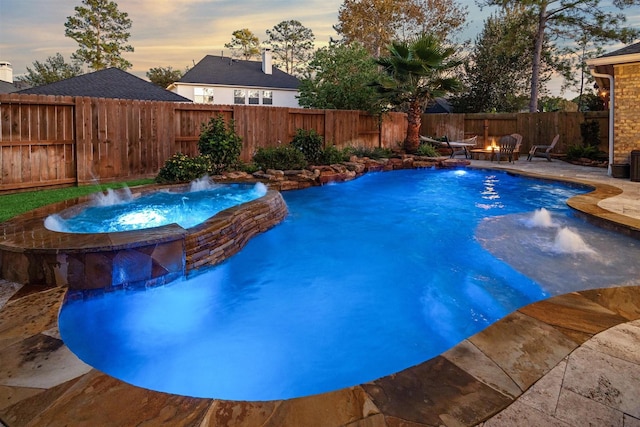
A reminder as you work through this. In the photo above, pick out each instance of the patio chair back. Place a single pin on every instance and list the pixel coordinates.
(506, 146)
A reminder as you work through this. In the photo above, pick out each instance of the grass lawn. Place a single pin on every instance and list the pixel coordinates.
(15, 204)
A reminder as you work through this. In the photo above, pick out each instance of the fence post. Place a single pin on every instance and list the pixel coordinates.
(486, 132)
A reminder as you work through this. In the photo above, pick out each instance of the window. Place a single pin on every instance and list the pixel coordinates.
(267, 97)
(239, 96)
(254, 97)
(203, 95)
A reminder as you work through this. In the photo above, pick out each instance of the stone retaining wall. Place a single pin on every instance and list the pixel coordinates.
(320, 175)
(229, 231)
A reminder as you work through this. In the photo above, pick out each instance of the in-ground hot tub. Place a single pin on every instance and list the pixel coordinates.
(31, 253)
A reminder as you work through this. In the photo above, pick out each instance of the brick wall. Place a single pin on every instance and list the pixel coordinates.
(627, 111)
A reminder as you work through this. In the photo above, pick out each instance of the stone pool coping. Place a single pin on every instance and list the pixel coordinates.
(466, 385)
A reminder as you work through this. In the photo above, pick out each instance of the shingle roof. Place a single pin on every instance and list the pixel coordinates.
(218, 70)
(108, 83)
(6, 87)
(627, 50)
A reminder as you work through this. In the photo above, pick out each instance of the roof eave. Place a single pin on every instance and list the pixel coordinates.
(613, 60)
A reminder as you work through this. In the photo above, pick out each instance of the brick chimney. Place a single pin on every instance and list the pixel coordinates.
(266, 61)
(6, 72)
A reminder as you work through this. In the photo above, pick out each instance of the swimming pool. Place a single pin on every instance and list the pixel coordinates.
(362, 280)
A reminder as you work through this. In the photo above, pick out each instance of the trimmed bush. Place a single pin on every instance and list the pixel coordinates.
(309, 143)
(372, 153)
(284, 157)
(182, 168)
(332, 154)
(220, 144)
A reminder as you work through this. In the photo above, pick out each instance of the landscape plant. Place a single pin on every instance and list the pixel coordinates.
(590, 132)
(182, 168)
(220, 144)
(417, 71)
(427, 150)
(282, 157)
(333, 154)
(372, 153)
(309, 143)
(338, 78)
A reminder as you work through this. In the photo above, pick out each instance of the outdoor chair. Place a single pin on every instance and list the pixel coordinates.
(456, 147)
(543, 150)
(506, 147)
(516, 151)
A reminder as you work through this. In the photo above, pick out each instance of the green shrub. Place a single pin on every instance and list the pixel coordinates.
(182, 168)
(309, 143)
(249, 167)
(284, 157)
(427, 150)
(220, 144)
(576, 152)
(331, 155)
(372, 153)
(590, 132)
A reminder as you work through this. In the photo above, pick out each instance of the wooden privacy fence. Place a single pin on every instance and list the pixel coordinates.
(54, 140)
(57, 141)
(535, 128)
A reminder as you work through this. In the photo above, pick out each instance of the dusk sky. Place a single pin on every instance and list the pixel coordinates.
(177, 33)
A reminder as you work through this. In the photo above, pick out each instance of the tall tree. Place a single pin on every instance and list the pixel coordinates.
(53, 69)
(244, 44)
(417, 71)
(374, 23)
(577, 56)
(568, 20)
(102, 32)
(497, 74)
(163, 76)
(292, 45)
(339, 78)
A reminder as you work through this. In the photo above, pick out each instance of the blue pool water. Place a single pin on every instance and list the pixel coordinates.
(363, 279)
(120, 211)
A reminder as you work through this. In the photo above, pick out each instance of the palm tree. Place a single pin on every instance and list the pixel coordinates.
(416, 72)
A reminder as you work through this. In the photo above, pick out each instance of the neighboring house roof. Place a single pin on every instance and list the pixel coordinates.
(439, 105)
(108, 83)
(225, 71)
(8, 87)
